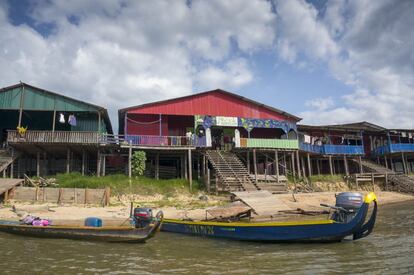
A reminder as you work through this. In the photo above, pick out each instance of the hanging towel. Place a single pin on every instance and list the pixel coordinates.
(61, 118)
(307, 139)
(72, 120)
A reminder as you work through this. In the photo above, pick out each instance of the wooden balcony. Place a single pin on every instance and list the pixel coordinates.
(53, 137)
(332, 149)
(394, 148)
(154, 141)
(289, 144)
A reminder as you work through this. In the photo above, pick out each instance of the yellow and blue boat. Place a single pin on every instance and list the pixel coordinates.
(348, 219)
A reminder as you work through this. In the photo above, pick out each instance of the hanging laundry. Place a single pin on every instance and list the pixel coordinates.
(307, 139)
(61, 118)
(72, 120)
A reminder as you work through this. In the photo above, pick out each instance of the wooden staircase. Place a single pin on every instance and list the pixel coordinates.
(398, 182)
(5, 159)
(231, 172)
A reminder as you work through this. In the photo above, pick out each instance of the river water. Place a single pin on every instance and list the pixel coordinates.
(388, 250)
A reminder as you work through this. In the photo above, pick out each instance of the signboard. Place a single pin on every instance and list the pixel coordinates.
(227, 121)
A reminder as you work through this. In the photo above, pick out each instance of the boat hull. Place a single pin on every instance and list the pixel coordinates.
(304, 231)
(106, 234)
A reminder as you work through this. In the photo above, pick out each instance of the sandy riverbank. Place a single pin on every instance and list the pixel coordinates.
(117, 214)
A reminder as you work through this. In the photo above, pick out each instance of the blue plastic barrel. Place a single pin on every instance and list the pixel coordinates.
(93, 221)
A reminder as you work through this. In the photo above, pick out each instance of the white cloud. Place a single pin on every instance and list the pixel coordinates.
(320, 103)
(122, 53)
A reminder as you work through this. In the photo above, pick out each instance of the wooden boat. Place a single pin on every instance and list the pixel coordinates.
(299, 231)
(126, 234)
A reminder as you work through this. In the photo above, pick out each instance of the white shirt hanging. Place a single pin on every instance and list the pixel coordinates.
(61, 118)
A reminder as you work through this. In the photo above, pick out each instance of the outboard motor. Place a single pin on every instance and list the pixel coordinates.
(346, 206)
(142, 217)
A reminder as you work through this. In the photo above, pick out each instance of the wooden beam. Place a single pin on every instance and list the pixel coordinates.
(83, 161)
(255, 165)
(157, 166)
(130, 160)
(208, 180)
(103, 164)
(392, 163)
(54, 121)
(190, 170)
(277, 165)
(404, 163)
(303, 167)
(284, 163)
(298, 163)
(248, 160)
(98, 164)
(12, 164)
(38, 164)
(309, 164)
(386, 161)
(292, 163)
(346, 166)
(330, 165)
(318, 166)
(185, 167)
(68, 160)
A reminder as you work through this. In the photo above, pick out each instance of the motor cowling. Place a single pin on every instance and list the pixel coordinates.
(347, 205)
(142, 217)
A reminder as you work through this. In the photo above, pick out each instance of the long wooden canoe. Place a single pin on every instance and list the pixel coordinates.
(126, 234)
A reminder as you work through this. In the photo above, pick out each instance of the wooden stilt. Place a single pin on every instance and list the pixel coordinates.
(44, 163)
(404, 163)
(284, 163)
(190, 170)
(298, 163)
(103, 165)
(277, 165)
(309, 164)
(248, 160)
(98, 164)
(318, 167)
(198, 168)
(346, 166)
(83, 162)
(208, 180)
(330, 165)
(293, 165)
(185, 167)
(386, 161)
(302, 163)
(68, 160)
(12, 165)
(361, 170)
(130, 160)
(392, 163)
(157, 166)
(38, 164)
(255, 165)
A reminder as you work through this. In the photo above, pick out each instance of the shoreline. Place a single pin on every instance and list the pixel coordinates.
(115, 215)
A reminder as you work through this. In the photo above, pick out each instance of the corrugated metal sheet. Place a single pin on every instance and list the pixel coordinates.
(269, 143)
(214, 104)
(10, 99)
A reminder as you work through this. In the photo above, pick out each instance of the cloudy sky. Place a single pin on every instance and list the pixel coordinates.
(326, 61)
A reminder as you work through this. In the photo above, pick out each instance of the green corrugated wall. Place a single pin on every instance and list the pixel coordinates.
(272, 143)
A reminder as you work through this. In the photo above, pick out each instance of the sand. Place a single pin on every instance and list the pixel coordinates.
(114, 215)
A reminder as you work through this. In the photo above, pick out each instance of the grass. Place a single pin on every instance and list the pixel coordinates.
(121, 184)
(327, 178)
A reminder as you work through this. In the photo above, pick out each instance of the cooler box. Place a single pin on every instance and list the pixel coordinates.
(94, 222)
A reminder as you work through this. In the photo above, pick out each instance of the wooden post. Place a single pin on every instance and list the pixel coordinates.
(38, 164)
(44, 163)
(330, 165)
(361, 170)
(293, 165)
(404, 163)
(54, 121)
(208, 180)
(103, 165)
(130, 160)
(98, 164)
(284, 163)
(83, 162)
(248, 161)
(386, 181)
(277, 165)
(392, 163)
(298, 163)
(157, 166)
(302, 163)
(185, 167)
(12, 165)
(255, 165)
(190, 170)
(346, 166)
(309, 164)
(386, 161)
(318, 167)
(68, 160)
(198, 168)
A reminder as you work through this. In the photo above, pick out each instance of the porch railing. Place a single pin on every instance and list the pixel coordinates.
(331, 149)
(269, 143)
(150, 140)
(394, 148)
(77, 137)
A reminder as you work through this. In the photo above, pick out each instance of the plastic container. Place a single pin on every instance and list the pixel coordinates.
(93, 222)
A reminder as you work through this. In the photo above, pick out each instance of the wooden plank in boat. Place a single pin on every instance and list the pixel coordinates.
(262, 202)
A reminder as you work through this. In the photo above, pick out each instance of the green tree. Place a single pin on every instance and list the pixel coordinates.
(138, 163)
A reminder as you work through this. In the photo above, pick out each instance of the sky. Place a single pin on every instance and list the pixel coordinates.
(325, 61)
